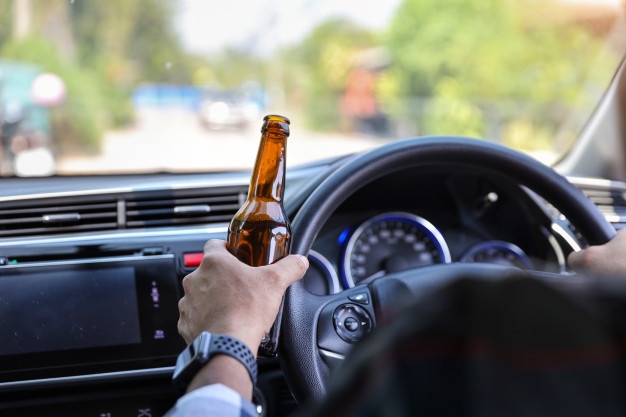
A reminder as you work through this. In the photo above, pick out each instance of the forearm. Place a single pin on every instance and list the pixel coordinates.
(223, 369)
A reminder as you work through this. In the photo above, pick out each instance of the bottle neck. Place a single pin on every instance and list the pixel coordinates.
(268, 177)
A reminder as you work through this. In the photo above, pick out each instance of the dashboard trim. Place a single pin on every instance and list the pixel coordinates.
(111, 259)
(115, 235)
(126, 190)
(103, 377)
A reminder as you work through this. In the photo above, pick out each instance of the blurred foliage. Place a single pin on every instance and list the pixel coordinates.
(232, 67)
(82, 115)
(498, 69)
(102, 50)
(322, 63)
(6, 15)
(469, 55)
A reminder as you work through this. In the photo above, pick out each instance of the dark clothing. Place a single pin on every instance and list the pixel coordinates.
(516, 347)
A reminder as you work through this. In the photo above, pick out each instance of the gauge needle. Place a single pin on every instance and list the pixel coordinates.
(372, 277)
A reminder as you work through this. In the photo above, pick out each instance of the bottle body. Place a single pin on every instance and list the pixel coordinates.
(260, 233)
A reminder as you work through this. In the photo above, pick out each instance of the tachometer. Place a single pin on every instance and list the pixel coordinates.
(497, 252)
(391, 242)
(321, 277)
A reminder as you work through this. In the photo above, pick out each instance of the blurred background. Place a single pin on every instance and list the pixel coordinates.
(120, 86)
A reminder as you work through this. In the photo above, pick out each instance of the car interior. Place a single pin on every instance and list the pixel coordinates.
(91, 264)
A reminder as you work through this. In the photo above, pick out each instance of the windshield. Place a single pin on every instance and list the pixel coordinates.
(144, 86)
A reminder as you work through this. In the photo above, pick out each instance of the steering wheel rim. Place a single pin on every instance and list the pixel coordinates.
(305, 370)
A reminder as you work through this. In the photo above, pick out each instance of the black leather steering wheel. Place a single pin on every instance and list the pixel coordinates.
(308, 341)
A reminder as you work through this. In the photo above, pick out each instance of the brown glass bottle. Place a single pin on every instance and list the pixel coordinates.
(260, 233)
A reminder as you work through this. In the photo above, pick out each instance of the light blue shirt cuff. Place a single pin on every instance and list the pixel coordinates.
(212, 400)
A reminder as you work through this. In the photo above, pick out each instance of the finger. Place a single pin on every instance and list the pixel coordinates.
(215, 246)
(576, 259)
(217, 253)
(289, 269)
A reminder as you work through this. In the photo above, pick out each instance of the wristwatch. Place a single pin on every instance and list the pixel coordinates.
(203, 348)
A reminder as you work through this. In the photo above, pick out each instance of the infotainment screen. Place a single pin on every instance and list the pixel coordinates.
(63, 310)
(88, 316)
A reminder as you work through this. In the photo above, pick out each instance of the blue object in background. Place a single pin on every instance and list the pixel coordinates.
(167, 96)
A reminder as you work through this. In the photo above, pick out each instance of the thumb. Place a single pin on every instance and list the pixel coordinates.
(290, 269)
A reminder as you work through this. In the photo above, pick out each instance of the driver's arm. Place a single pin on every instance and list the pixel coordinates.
(228, 297)
(609, 258)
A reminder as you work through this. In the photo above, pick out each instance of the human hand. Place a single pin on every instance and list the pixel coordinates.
(609, 258)
(226, 296)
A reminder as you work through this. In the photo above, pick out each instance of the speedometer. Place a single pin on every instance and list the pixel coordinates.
(391, 242)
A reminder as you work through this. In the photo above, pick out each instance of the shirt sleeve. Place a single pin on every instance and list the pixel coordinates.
(213, 400)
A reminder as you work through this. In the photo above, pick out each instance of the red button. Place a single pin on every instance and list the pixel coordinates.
(192, 259)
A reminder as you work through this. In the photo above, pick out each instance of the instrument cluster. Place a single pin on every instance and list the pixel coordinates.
(396, 241)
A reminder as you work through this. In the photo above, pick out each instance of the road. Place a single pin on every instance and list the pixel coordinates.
(174, 140)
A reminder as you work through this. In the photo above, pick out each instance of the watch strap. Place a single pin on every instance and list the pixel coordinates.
(205, 346)
(227, 345)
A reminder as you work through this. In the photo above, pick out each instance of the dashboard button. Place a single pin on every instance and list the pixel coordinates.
(191, 260)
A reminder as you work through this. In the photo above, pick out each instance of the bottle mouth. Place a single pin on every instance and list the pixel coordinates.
(276, 123)
(276, 118)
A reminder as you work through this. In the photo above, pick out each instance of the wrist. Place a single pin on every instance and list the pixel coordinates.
(195, 362)
(225, 370)
(248, 336)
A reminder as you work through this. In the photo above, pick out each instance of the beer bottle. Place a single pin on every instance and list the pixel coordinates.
(260, 233)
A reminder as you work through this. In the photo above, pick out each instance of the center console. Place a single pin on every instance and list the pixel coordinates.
(76, 317)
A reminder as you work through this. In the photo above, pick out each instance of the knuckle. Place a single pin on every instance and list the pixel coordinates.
(273, 275)
(212, 245)
(590, 255)
(187, 282)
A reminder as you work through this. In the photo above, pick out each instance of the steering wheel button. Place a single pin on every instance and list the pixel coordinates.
(351, 324)
(361, 298)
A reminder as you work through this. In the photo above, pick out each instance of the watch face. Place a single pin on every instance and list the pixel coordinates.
(192, 359)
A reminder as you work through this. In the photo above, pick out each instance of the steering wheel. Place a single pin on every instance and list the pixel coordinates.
(315, 332)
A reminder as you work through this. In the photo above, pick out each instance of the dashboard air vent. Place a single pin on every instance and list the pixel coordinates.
(46, 217)
(198, 208)
(610, 198)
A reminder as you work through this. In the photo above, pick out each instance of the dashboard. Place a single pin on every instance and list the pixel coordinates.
(407, 220)
(91, 269)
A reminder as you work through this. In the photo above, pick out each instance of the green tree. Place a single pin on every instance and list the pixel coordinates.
(326, 57)
(6, 14)
(102, 49)
(473, 53)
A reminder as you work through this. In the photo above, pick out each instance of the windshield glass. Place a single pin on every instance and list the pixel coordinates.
(143, 86)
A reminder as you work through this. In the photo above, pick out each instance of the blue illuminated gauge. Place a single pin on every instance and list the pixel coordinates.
(497, 252)
(388, 243)
(321, 277)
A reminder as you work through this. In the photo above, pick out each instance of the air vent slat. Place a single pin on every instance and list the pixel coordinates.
(610, 201)
(183, 201)
(175, 221)
(58, 215)
(203, 207)
(57, 209)
(170, 211)
(39, 219)
(57, 229)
